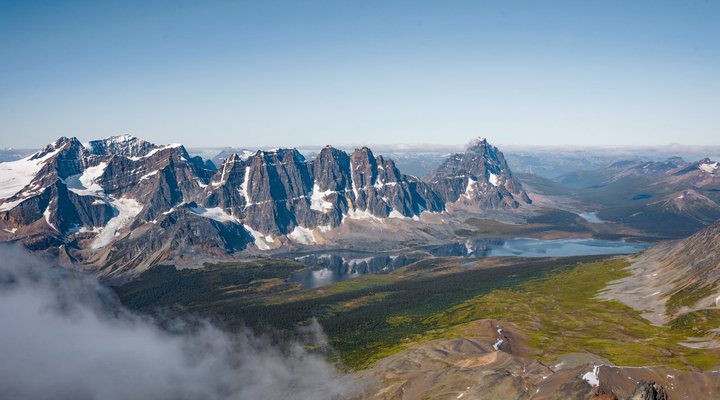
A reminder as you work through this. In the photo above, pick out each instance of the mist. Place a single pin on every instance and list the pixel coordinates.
(65, 336)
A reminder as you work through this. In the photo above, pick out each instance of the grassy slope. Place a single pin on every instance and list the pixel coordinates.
(370, 317)
(365, 318)
(561, 314)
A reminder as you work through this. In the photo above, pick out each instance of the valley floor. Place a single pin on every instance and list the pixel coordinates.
(547, 308)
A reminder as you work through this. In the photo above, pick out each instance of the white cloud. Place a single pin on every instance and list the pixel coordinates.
(65, 336)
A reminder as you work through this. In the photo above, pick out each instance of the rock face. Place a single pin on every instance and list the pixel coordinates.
(649, 391)
(480, 176)
(279, 191)
(122, 201)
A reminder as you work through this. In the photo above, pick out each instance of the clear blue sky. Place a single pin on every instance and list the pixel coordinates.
(251, 73)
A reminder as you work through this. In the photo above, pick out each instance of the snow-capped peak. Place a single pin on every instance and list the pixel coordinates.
(709, 166)
(122, 145)
(121, 138)
(478, 141)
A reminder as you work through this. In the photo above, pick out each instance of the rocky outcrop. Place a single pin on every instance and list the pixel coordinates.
(647, 390)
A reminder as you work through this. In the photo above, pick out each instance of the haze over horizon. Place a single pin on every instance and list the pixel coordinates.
(288, 73)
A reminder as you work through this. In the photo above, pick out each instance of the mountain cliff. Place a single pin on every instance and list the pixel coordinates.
(125, 204)
(479, 176)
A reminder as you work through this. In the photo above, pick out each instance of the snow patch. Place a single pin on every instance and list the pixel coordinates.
(214, 213)
(155, 150)
(470, 188)
(262, 242)
(357, 261)
(10, 205)
(302, 235)
(592, 377)
(362, 215)
(396, 214)
(15, 175)
(709, 167)
(493, 179)
(497, 344)
(244, 186)
(85, 184)
(470, 248)
(47, 215)
(352, 180)
(148, 175)
(246, 154)
(318, 201)
(127, 210)
(324, 228)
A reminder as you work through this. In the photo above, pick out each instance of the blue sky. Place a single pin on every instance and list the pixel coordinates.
(268, 73)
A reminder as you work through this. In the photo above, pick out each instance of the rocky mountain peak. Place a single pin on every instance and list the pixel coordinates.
(121, 199)
(478, 177)
(121, 145)
(62, 143)
(233, 158)
(477, 143)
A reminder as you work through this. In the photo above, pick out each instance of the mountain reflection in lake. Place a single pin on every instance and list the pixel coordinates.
(329, 268)
(326, 268)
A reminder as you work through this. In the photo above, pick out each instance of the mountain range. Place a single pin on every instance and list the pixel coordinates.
(123, 204)
(670, 199)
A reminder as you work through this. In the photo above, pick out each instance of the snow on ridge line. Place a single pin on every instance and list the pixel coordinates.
(709, 167)
(155, 150)
(10, 205)
(16, 175)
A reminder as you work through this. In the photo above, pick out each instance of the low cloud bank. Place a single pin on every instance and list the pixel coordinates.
(64, 336)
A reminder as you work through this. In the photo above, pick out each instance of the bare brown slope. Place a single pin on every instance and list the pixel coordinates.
(674, 278)
(472, 368)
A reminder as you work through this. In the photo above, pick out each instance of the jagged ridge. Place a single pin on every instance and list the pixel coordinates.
(126, 202)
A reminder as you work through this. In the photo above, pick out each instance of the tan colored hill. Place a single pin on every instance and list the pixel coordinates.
(675, 279)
